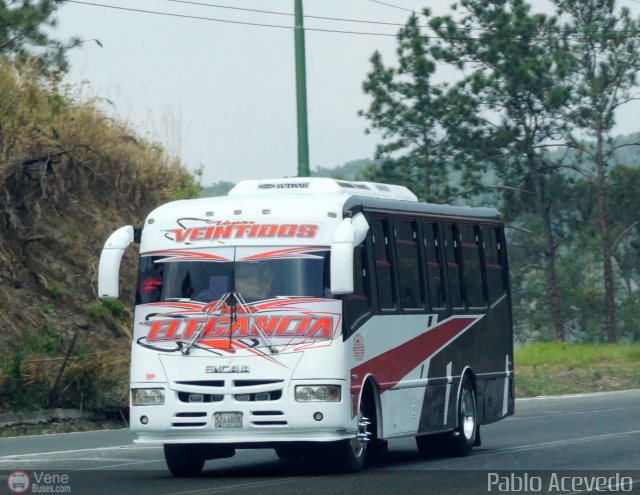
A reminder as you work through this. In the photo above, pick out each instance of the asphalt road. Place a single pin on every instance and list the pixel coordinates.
(556, 439)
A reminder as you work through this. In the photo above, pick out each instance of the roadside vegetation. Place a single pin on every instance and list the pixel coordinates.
(553, 368)
(69, 175)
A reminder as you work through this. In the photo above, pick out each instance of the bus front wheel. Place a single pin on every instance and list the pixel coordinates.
(183, 460)
(350, 454)
(290, 452)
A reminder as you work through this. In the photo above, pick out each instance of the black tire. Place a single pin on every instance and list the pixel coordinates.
(289, 452)
(463, 437)
(457, 443)
(377, 449)
(184, 460)
(350, 455)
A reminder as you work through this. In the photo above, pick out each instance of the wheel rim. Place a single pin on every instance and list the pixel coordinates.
(468, 414)
(359, 442)
(357, 447)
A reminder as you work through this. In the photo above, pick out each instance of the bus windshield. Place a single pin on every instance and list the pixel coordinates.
(161, 279)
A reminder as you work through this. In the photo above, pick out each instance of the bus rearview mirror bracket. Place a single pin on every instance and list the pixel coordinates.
(110, 258)
(347, 235)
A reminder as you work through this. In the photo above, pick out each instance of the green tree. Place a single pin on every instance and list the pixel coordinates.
(23, 33)
(623, 199)
(219, 188)
(406, 109)
(515, 87)
(603, 46)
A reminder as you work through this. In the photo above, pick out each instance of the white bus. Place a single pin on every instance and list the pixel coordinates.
(315, 315)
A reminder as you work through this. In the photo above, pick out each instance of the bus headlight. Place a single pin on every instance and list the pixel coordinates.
(147, 396)
(318, 393)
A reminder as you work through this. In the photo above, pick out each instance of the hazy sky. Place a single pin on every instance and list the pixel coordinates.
(223, 95)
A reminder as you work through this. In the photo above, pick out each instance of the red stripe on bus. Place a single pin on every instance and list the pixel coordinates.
(389, 367)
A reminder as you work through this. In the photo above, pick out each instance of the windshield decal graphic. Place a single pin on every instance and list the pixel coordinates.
(178, 255)
(300, 252)
(295, 252)
(288, 322)
(318, 327)
(218, 230)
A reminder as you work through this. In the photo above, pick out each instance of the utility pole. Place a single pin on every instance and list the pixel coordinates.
(301, 93)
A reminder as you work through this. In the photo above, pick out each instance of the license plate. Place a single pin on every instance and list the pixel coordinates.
(227, 420)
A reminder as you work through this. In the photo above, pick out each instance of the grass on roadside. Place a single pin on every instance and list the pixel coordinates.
(552, 368)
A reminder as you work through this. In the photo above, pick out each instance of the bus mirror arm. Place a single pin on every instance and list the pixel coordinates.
(360, 227)
(347, 235)
(110, 258)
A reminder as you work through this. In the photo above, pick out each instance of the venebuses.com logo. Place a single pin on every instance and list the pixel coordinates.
(38, 482)
(18, 482)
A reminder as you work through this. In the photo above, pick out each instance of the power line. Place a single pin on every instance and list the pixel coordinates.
(489, 30)
(183, 16)
(421, 14)
(273, 12)
(395, 7)
(230, 8)
(245, 23)
(213, 19)
(279, 26)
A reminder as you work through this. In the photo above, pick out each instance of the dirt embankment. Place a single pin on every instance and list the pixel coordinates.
(69, 175)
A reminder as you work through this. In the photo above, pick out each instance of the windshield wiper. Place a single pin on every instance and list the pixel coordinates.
(245, 307)
(198, 333)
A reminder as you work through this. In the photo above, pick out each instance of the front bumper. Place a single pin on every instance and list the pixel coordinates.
(263, 422)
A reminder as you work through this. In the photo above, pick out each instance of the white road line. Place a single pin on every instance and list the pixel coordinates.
(252, 484)
(575, 396)
(111, 466)
(123, 447)
(67, 459)
(556, 443)
(521, 418)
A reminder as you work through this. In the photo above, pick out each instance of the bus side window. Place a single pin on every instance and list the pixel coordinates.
(385, 287)
(432, 257)
(358, 304)
(408, 262)
(452, 254)
(472, 268)
(494, 256)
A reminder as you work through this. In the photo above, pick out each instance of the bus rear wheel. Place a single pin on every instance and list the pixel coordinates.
(459, 442)
(463, 437)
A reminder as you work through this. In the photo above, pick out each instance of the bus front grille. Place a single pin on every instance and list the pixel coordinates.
(269, 423)
(268, 418)
(194, 398)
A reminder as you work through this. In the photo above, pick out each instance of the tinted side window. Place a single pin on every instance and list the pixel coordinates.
(408, 258)
(494, 261)
(432, 256)
(357, 304)
(383, 263)
(452, 254)
(473, 283)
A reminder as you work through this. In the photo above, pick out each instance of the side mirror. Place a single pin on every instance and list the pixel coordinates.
(347, 235)
(110, 258)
